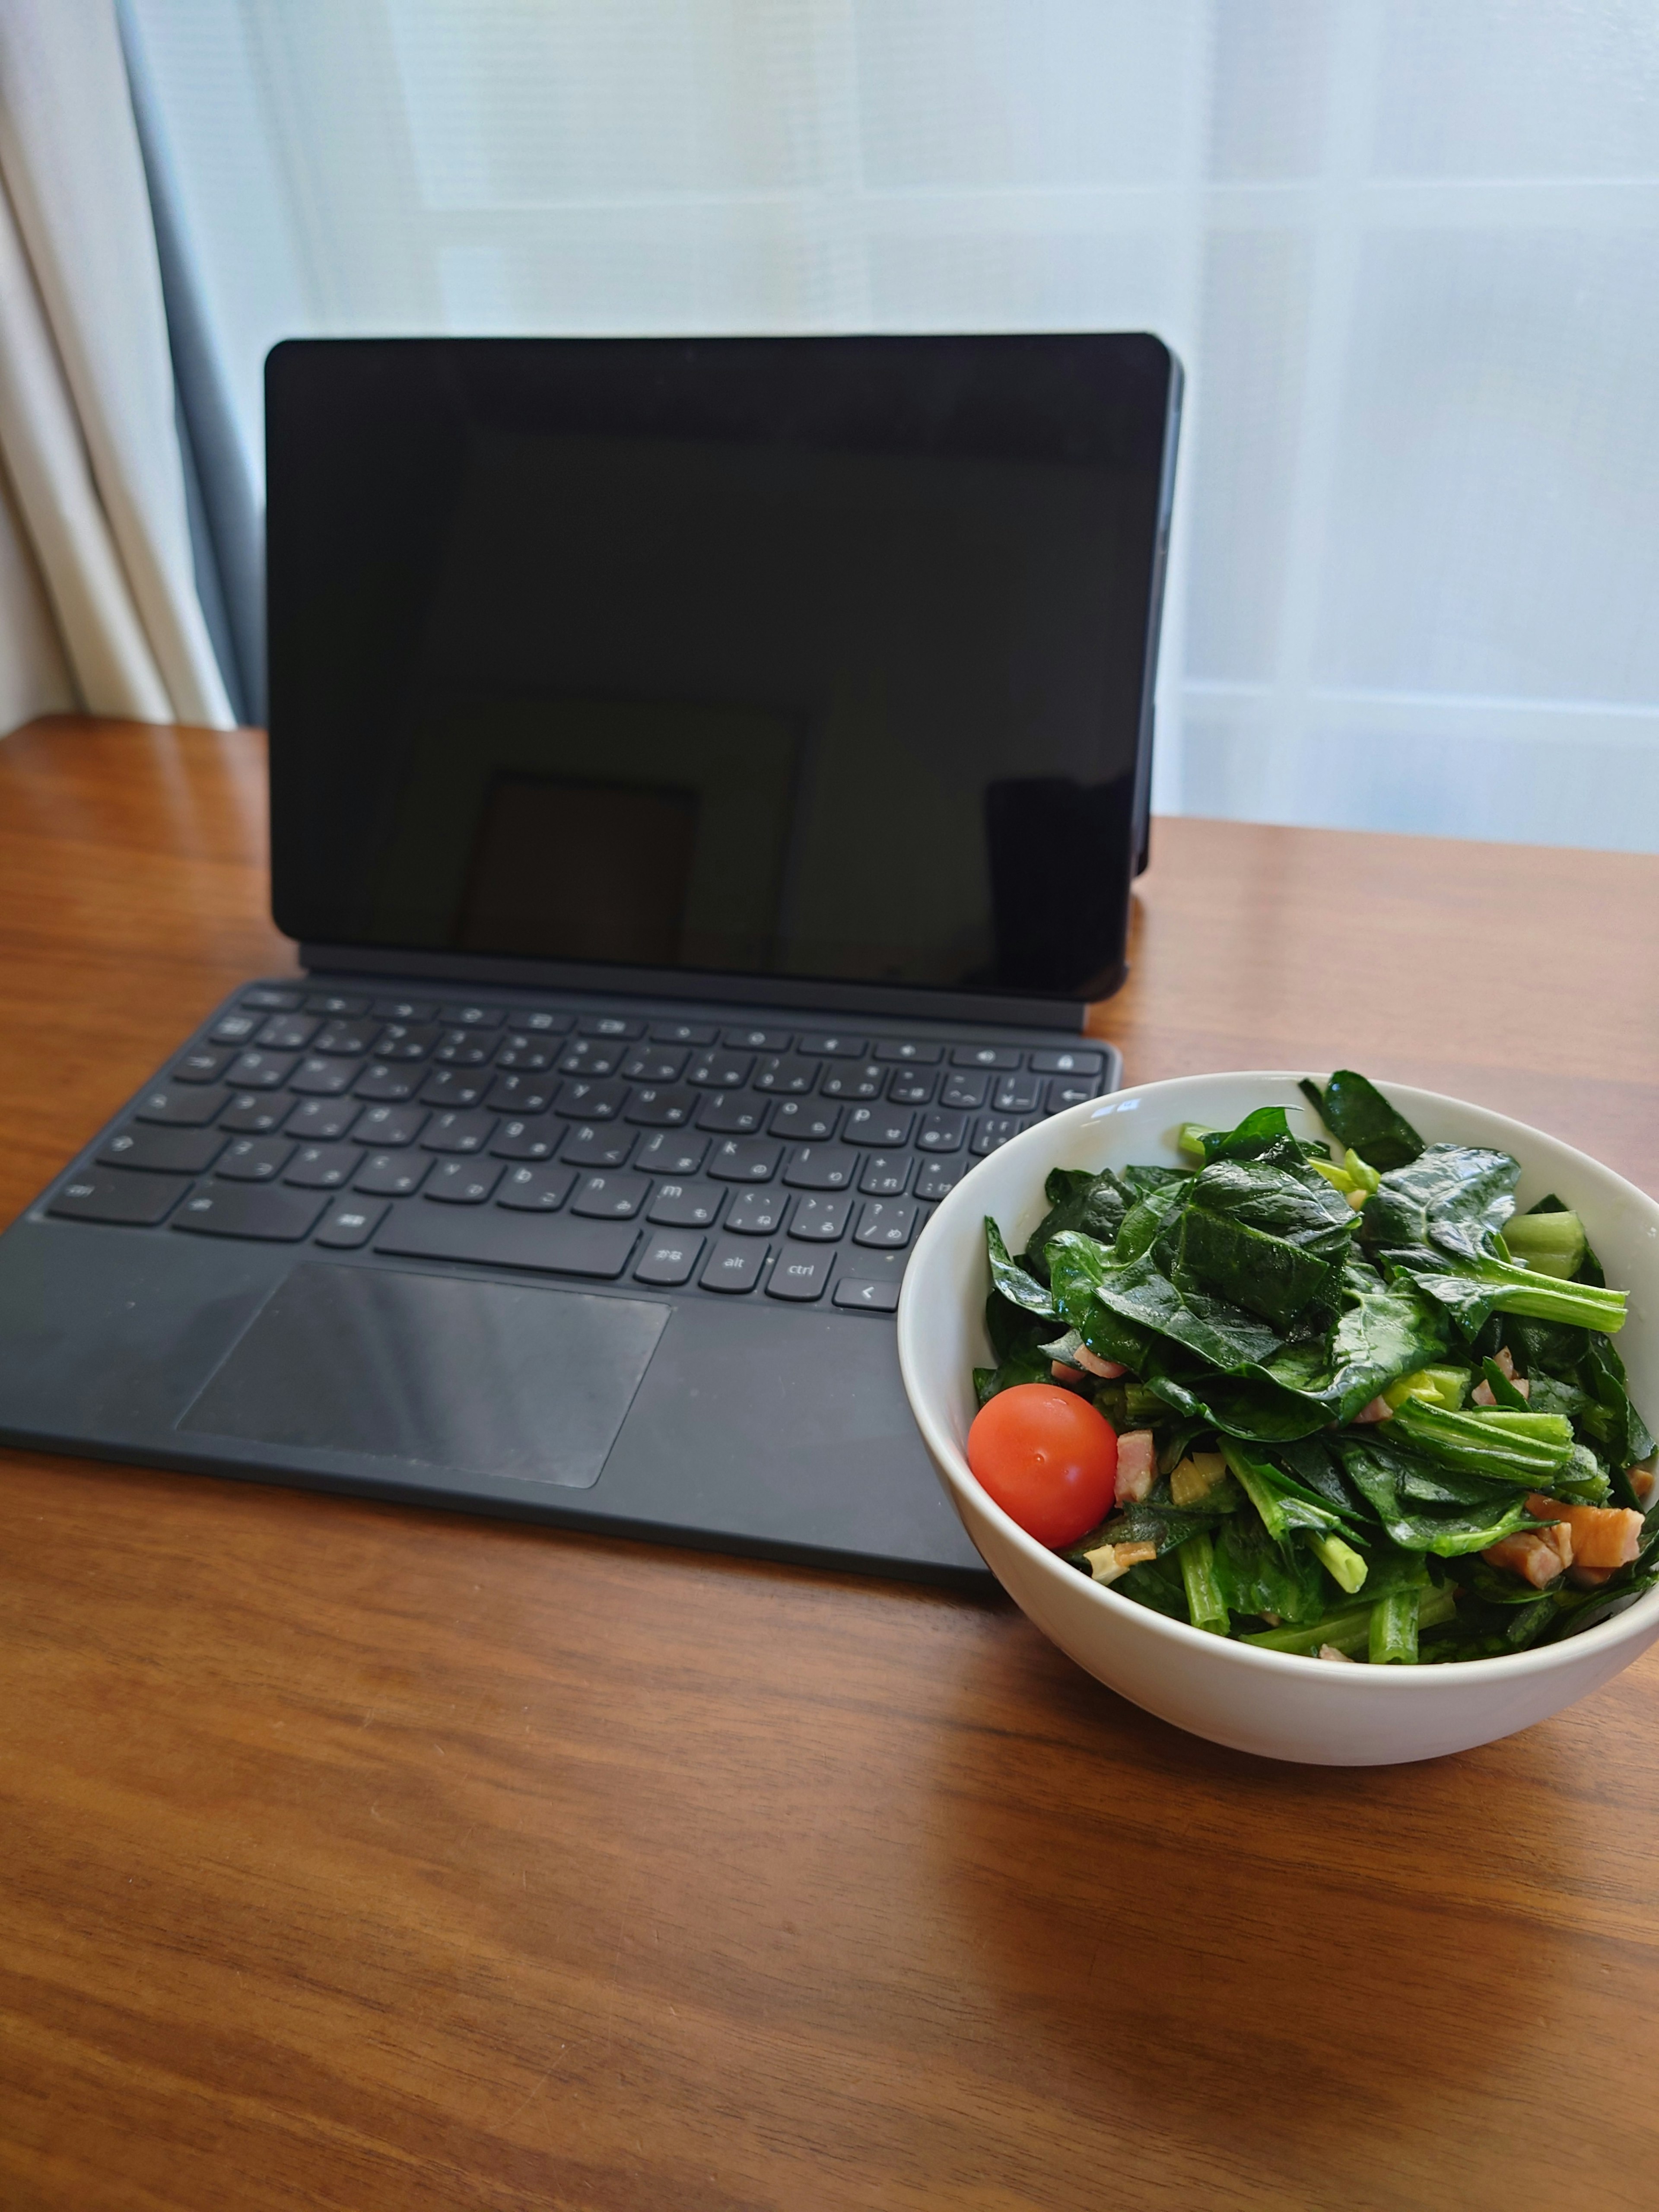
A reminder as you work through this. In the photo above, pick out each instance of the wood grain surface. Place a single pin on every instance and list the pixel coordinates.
(358, 1857)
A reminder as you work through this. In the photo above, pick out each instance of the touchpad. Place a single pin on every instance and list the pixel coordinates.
(493, 1378)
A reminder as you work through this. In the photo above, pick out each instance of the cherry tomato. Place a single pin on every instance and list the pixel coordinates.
(1049, 1458)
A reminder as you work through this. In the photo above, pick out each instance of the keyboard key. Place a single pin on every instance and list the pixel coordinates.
(878, 1124)
(467, 1016)
(323, 1167)
(271, 1002)
(544, 1022)
(205, 1065)
(322, 1079)
(590, 1102)
(519, 1094)
(759, 1040)
(859, 1079)
(937, 1179)
(349, 1224)
(1073, 1061)
(672, 1156)
(607, 1197)
(964, 1091)
(131, 1200)
(720, 1070)
(653, 1065)
(404, 1010)
(163, 1151)
(804, 1119)
(744, 1159)
(885, 1175)
(733, 1265)
(820, 1220)
(585, 1057)
(992, 1131)
(519, 1049)
(660, 1109)
(942, 1133)
(786, 1072)
(597, 1145)
(463, 1182)
(389, 1125)
(724, 1115)
(493, 1237)
(535, 1190)
(609, 1025)
(288, 1032)
(799, 1275)
(685, 1205)
(1018, 1094)
(865, 1296)
(820, 1167)
(458, 1133)
(331, 1002)
(463, 1049)
(1001, 1057)
(886, 1223)
(229, 1209)
(183, 1106)
(924, 1056)
(536, 1139)
(260, 1071)
(682, 1033)
(381, 1080)
(320, 1121)
(392, 1175)
(910, 1086)
(757, 1212)
(1066, 1090)
(235, 1029)
(669, 1260)
(405, 1041)
(453, 1087)
(254, 1159)
(833, 1048)
(254, 1112)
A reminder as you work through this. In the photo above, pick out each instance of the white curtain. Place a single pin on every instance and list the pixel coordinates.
(98, 601)
(1408, 249)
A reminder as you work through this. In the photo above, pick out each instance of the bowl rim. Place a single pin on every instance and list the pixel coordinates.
(1404, 1681)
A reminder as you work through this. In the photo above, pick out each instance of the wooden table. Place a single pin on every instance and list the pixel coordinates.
(359, 1856)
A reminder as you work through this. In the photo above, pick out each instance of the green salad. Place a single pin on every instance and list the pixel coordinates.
(1364, 1410)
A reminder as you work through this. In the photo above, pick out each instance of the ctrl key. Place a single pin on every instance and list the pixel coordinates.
(127, 1197)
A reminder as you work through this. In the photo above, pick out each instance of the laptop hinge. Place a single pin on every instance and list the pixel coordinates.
(897, 1002)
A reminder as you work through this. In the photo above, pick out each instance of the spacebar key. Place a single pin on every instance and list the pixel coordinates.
(500, 1239)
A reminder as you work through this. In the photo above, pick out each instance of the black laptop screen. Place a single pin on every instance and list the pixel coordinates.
(813, 657)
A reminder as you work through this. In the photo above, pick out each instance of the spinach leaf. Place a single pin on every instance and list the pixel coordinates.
(1451, 1195)
(1309, 1461)
(1376, 1470)
(1360, 1116)
(1278, 1498)
(1012, 1280)
(1609, 1416)
(1217, 1331)
(1258, 1133)
(1471, 1290)
(1158, 1584)
(1282, 1199)
(1146, 1220)
(1262, 1274)
(1141, 1183)
(1094, 1205)
(1252, 1406)
(1386, 1330)
(1257, 1576)
(1077, 1266)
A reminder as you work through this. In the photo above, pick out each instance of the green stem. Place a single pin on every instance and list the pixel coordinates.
(1580, 1306)
(1205, 1605)
(1349, 1629)
(1341, 1560)
(1394, 1626)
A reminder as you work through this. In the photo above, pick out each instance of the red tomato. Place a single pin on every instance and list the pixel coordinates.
(1049, 1458)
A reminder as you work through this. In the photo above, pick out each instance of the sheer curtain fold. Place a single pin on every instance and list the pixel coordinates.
(88, 433)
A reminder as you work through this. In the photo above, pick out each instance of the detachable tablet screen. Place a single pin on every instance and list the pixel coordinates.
(813, 657)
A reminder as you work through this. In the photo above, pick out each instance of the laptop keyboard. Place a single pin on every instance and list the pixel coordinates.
(796, 1163)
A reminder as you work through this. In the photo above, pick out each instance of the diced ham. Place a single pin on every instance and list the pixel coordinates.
(1106, 1370)
(1330, 1651)
(1589, 1578)
(1070, 1376)
(1602, 1535)
(1137, 1465)
(1503, 1362)
(1378, 1410)
(1482, 1393)
(1537, 1555)
(1642, 1482)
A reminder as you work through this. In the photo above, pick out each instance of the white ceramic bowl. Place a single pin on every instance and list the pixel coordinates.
(1259, 1701)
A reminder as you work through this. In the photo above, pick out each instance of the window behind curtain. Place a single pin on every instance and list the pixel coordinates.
(1408, 249)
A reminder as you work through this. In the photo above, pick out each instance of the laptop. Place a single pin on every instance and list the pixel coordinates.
(706, 779)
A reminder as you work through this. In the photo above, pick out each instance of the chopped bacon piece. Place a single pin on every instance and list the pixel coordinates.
(1504, 1363)
(1378, 1410)
(1482, 1393)
(1137, 1465)
(1602, 1535)
(1588, 1577)
(1643, 1480)
(1106, 1370)
(1537, 1555)
(1062, 1373)
(1330, 1651)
